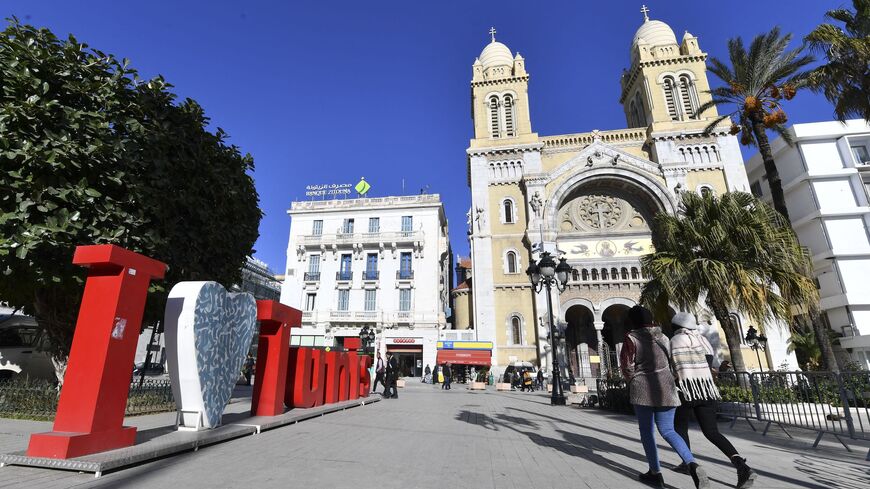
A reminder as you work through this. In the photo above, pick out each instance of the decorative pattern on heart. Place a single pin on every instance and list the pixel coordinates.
(208, 333)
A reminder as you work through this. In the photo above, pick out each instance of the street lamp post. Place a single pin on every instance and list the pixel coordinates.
(756, 342)
(366, 339)
(544, 274)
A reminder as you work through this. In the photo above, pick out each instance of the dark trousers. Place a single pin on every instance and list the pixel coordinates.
(446, 384)
(379, 377)
(705, 413)
(391, 390)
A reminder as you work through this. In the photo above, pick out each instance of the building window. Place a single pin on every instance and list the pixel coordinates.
(405, 270)
(493, 116)
(314, 264)
(688, 97)
(706, 191)
(343, 300)
(404, 299)
(516, 330)
(511, 259)
(635, 274)
(669, 88)
(641, 115)
(508, 207)
(604, 275)
(347, 227)
(371, 266)
(371, 299)
(862, 156)
(309, 301)
(407, 224)
(374, 224)
(624, 273)
(317, 228)
(755, 188)
(508, 115)
(344, 271)
(575, 275)
(585, 274)
(594, 274)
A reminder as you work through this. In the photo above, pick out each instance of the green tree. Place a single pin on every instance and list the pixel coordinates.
(757, 82)
(733, 252)
(90, 153)
(845, 78)
(803, 343)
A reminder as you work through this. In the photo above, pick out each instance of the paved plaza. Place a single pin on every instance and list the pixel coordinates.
(430, 438)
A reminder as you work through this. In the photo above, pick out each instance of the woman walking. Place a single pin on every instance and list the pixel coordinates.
(692, 357)
(652, 390)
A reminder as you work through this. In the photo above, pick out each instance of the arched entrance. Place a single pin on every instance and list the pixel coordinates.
(613, 335)
(580, 341)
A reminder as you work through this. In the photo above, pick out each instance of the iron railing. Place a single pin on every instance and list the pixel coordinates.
(37, 399)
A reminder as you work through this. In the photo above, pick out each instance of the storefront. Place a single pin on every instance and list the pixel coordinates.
(409, 353)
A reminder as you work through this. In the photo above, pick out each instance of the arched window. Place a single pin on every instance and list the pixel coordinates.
(508, 206)
(614, 274)
(508, 115)
(493, 116)
(706, 191)
(688, 97)
(632, 111)
(511, 262)
(516, 330)
(585, 274)
(575, 275)
(670, 90)
(594, 274)
(603, 274)
(624, 273)
(634, 273)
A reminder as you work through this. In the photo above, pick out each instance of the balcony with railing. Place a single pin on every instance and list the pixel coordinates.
(344, 276)
(370, 275)
(341, 238)
(312, 276)
(404, 274)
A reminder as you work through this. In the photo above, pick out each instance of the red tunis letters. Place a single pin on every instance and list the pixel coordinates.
(365, 379)
(90, 412)
(337, 377)
(276, 319)
(306, 376)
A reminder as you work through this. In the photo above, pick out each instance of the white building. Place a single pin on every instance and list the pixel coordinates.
(382, 262)
(826, 179)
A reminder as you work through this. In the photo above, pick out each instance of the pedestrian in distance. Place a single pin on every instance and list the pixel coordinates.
(540, 379)
(427, 374)
(527, 381)
(380, 371)
(248, 368)
(448, 373)
(646, 366)
(392, 375)
(692, 357)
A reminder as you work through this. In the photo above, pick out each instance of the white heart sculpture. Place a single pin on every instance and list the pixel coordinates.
(208, 333)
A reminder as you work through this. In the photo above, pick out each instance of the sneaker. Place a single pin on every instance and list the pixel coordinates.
(652, 479)
(699, 476)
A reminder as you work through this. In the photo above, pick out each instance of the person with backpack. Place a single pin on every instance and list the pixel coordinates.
(646, 366)
(692, 357)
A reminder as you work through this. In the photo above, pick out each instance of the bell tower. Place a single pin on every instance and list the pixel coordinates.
(666, 81)
(500, 97)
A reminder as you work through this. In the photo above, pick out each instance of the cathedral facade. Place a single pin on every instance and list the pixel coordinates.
(589, 197)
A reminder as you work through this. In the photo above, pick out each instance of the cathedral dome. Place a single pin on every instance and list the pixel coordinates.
(496, 54)
(654, 33)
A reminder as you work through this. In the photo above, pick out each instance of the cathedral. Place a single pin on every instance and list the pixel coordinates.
(589, 197)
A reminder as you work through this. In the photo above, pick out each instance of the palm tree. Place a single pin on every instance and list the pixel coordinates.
(757, 82)
(734, 253)
(845, 79)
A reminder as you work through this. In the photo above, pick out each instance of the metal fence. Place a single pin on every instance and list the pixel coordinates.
(824, 402)
(37, 399)
(613, 395)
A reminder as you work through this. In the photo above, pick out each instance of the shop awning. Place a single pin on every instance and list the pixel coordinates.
(465, 357)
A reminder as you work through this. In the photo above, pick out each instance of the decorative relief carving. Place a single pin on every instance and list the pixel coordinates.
(600, 212)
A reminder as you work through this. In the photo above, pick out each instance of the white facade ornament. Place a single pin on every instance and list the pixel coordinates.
(537, 204)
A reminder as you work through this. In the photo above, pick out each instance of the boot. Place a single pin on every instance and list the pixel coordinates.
(681, 469)
(653, 479)
(745, 475)
(699, 476)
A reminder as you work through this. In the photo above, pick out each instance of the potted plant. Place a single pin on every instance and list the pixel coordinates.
(479, 383)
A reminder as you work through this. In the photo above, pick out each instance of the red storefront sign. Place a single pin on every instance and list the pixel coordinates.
(403, 341)
(465, 357)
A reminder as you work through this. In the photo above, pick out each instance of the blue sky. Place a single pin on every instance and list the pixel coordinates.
(327, 91)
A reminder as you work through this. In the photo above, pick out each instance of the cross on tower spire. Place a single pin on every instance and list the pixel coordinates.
(645, 11)
(492, 33)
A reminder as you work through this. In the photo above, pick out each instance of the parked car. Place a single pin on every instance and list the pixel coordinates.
(22, 349)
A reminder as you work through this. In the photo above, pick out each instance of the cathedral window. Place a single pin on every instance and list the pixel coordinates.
(508, 210)
(624, 273)
(493, 116)
(634, 273)
(706, 191)
(688, 98)
(511, 264)
(575, 275)
(594, 274)
(637, 113)
(671, 102)
(603, 274)
(585, 275)
(614, 274)
(516, 327)
(509, 116)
